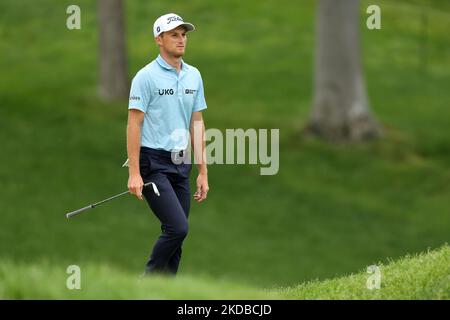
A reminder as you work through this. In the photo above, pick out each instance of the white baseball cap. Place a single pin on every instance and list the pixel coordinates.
(168, 22)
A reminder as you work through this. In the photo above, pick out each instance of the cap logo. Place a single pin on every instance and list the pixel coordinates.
(158, 29)
(174, 18)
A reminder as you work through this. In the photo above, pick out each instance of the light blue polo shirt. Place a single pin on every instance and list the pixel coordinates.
(168, 99)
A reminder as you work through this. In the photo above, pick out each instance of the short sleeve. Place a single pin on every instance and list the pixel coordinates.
(200, 102)
(140, 92)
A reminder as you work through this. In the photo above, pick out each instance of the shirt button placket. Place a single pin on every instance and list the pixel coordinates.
(180, 94)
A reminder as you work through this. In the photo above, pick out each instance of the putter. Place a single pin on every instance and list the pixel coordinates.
(92, 206)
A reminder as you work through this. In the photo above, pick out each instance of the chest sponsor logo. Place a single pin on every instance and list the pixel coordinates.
(189, 91)
(166, 92)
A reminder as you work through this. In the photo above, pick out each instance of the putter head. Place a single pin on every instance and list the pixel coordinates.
(155, 189)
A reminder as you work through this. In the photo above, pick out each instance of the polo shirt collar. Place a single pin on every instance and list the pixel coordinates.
(167, 66)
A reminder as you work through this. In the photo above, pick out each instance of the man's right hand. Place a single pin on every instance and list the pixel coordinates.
(135, 185)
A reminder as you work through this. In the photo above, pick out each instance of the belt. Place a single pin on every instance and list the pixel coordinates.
(164, 153)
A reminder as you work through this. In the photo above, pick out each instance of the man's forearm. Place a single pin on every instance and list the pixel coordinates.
(201, 166)
(199, 145)
(133, 148)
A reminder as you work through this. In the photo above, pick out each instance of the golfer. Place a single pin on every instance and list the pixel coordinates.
(166, 100)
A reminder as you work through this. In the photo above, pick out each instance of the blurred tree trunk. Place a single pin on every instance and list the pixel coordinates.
(112, 58)
(340, 110)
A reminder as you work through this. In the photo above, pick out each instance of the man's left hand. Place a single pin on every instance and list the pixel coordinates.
(202, 187)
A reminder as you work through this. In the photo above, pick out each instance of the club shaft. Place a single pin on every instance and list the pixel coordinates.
(92, 206)
(110, 198)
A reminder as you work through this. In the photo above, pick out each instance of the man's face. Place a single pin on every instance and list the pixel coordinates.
(173, 42)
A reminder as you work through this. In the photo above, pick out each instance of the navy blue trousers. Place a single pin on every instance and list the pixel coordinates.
(171, 207)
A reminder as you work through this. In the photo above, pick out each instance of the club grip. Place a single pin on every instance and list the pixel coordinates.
(74, 213)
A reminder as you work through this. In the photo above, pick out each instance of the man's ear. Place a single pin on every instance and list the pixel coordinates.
(158, 40)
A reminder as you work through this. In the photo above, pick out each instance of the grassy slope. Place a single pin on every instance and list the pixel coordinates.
(330, 209)
(424, 276)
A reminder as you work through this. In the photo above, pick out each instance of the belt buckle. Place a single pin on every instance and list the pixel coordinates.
(177, 157)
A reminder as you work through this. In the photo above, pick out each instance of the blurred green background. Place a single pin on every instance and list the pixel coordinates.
(330, 210)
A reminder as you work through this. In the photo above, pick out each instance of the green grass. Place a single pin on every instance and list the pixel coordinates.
(42, 281)
(418, 277)
(330, 209)
(424, 276)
